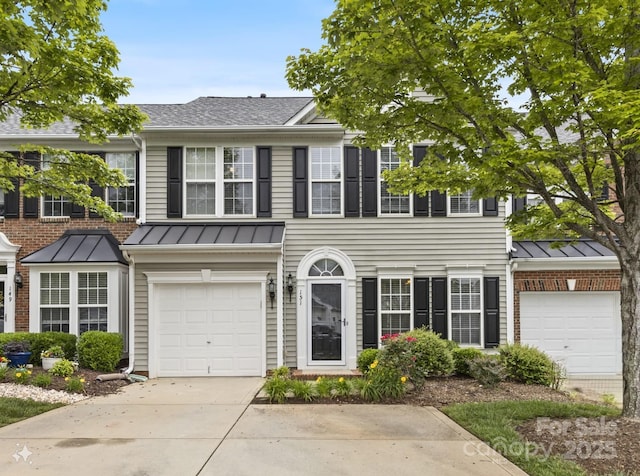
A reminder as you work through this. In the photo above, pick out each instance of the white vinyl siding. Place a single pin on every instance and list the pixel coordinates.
(326, 180)
(391, 204)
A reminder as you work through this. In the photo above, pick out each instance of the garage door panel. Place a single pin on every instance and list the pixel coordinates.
(582, 330)
(212, 329)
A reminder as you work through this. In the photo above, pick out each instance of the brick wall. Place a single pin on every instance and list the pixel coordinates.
(35, 233)
(556, 281)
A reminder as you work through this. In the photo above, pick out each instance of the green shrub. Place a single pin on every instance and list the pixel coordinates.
(527, 364)
(100, 350)
(62, 368)
(366, 357)
(41, 341)
(418, 354)
(487, 369)
(462, 356)
(42, 380)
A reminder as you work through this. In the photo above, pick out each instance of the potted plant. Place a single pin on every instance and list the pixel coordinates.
(3, 361)
(18, 352)
(50, 356)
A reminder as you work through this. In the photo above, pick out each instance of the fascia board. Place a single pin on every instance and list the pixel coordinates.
(554, 264)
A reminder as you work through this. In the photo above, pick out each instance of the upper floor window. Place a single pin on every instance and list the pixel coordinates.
(464, 204)
(123, 199)
(465, 297)
(391, 204)
(52, 205)
(326, 180)
(207, 193)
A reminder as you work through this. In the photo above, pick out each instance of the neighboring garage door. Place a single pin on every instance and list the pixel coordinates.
(581, 330)
(209, 330)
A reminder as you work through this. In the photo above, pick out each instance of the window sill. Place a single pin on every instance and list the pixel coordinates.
(55, 219)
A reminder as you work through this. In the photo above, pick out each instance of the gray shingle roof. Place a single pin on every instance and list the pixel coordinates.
(79, 246)
(271, 233)
(577, 249)
(224, 111)
(200, 113)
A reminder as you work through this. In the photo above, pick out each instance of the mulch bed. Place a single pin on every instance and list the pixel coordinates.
(91, 386)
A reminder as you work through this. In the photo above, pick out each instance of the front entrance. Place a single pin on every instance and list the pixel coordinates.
(327, 323)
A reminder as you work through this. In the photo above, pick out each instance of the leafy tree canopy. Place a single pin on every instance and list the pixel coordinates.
(55, 65)
(440, 72)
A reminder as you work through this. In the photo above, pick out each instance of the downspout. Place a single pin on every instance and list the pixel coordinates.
(280, 307)
(132, 279)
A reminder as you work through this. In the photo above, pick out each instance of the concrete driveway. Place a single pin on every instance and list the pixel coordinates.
(208, 427)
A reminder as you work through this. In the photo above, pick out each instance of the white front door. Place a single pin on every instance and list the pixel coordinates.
(326, 329)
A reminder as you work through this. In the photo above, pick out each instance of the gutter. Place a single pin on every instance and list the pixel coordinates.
(131, 297)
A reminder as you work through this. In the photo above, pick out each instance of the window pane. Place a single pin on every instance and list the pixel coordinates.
(325, 198)
(326, 267)
(463, 203)
(465, 328)
(54, 320)
(395, 301)
(200, 163)
(326, 163)
(391, 204)
(238, 198)
(238, 163)
(201, 199)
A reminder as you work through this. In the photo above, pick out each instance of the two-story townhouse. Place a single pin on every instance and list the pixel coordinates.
(267, 238)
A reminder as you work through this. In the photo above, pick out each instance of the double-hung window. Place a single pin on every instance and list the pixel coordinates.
(219, 181)
(92, 301)
(391, 204)
(395, 305)
(464, 204)
(54, 302)
(52, 205)
(465, 298)
(123, 199)
(326, 180)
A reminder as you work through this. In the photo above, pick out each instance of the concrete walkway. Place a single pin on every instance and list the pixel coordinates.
(208, 427)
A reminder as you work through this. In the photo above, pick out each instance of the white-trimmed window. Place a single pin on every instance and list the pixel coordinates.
(77, 299)
(219, 181)
(238, 180)
(92, 301)
(123, 199)
(396, 308)
(464, 204)
(465, 301)
(54, 302)
(326, 180)
(391, 204)
(54, 206)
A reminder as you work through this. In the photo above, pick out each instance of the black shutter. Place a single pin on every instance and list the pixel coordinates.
(420, 302)
(300, 182)
(174, 182)
(370, 334)
(519, 204)
(96, 190)
(351, 181)
(490, 207)
(491, 312)
(438, 203)
(439, 306)
(369, 183)
(263, 206)
(420, 204)
(30, 204)
(12, 200)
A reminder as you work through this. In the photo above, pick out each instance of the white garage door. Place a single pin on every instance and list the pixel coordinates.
(209, 330)
(581, 330)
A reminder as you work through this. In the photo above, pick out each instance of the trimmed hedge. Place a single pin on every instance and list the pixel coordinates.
(42, 341)
(462, 357)
(99, 350)
(527, 364)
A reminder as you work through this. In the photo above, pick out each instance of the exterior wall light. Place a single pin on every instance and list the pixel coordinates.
(290, 286)
(272, 291)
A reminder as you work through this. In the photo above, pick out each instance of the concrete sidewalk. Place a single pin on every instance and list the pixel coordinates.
(207, 426)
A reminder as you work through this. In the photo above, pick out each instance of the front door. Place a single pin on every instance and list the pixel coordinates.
(326, 329)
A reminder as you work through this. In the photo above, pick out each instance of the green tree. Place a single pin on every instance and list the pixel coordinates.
(577, 63)
(56, 65)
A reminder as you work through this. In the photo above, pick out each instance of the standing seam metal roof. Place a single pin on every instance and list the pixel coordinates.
(79, 246)
(571, 249)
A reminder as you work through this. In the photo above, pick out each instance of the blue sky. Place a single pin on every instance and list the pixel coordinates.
(175, 51)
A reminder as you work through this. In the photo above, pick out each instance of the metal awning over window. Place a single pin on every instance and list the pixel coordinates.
(79, 246)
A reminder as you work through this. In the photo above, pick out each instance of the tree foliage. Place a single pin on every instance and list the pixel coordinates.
(56, 65)
(441, 72)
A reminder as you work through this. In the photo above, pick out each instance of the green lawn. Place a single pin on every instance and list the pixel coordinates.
(495, 423)
(16, 409)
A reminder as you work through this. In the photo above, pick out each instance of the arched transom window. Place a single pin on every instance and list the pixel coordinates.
(326, 267)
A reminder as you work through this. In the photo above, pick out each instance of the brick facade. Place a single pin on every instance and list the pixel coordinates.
(33, 234)
(595, 280)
